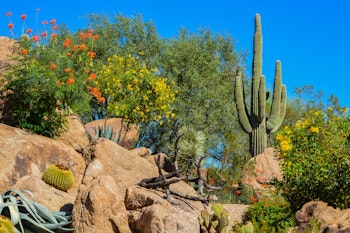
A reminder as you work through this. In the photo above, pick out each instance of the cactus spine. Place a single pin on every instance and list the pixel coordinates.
(255, 122)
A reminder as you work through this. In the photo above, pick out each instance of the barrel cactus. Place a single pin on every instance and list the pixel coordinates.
(256, 122)
(6, 226)
(59, 176)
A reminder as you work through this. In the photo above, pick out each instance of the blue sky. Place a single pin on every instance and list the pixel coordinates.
(310, 37)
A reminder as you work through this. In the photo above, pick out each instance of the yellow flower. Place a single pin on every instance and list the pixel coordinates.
(285, 145)
(314, 129)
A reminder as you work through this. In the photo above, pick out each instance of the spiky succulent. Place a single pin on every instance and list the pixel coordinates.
(26, 215)
(59, 176)
(106, 132)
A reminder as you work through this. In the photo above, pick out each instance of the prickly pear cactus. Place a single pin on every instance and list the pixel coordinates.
(217, 221)
(59, 176)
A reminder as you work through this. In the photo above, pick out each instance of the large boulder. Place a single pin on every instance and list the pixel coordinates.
(332, 220)
(25, 156)
(260, 170)
(128, 134)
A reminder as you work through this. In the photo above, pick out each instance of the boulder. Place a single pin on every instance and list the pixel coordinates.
(128, 134)
(261, 170)
(76, 135)
(332, 220)
(25, 156)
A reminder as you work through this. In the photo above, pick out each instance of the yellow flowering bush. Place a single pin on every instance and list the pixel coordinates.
(315, 155)
(134, 92)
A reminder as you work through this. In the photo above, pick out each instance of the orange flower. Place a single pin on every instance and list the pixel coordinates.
(44, 34)
(53, 35)
(23, 16)
(253, 199)
(95, 37)
(53, 66)
(67, 70)
(55, 27)
(82, 36)
(36, 38)
(101, 99)
(8, 14)
(29, 31)
(52, 21)
(87, 71)
(238, 192)
(67, 54)
(71, 80)
(10, 25)
(67, 43)
(91, 54)
(44, 22)
(82, 47)
(24, 52)
(92, 76)
(75, 47)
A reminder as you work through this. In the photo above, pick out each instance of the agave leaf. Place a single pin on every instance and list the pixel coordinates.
(33, 225)
(45, 213)
(53, 226)
(14, 212)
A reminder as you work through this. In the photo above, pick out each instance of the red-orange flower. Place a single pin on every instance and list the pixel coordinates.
(82, 47)
(36, 38)
(53, 66)
(44, 34)
(91, 54)
(8, 14)
(87, 71)
(82, 36)
(75, 47)
(55, 27)
(29, 30)
(52, 21)
(53, 35)
(23, 16)
(67, 70)
(44, 22)
(95, 37)
(10, 25)
(67, 43)
(253, 199)
(67, 54)
(238, 192)
(24, 52)
(71, 80)
(92, 76)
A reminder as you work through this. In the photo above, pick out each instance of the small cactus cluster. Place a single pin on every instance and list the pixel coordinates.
(217, 221)
(256, 122)
(59, 176)
(6, 226)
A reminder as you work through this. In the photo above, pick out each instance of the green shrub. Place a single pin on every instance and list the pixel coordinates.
(270, 215)
(316, 160)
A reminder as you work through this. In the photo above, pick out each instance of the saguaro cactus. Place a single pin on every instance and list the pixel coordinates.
(256, 123)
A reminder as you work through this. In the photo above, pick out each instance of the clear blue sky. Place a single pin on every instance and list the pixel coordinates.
(310, 37)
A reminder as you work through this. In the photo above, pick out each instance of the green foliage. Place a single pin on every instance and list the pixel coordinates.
(6, 225)
(271, 215)
(47, 78)
(191, 149)
(217, 221)
(134, 92)
(29, 216)
(255, 122)
(59, 176)
(315, 165)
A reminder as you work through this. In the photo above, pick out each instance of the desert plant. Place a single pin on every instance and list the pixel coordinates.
(29, 216)
(270, 215)
(256, 123)
(106, 132)
(315, 159)
(218, 220)
(6, 225)
(59, 176)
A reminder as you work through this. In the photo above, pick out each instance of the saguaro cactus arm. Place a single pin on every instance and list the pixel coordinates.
(278, 107)
(241, 107)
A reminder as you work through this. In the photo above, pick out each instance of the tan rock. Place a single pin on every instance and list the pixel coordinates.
(128, 134)
(25, 156)
(76, 135)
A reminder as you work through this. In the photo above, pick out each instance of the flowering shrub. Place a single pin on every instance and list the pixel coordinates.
(315, 156)
(133, 92)
(51, 72)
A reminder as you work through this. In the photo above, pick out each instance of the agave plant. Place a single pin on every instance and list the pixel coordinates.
(106, 132)
(29, 216)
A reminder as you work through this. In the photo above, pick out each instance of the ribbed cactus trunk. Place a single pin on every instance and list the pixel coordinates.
(255, 122)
